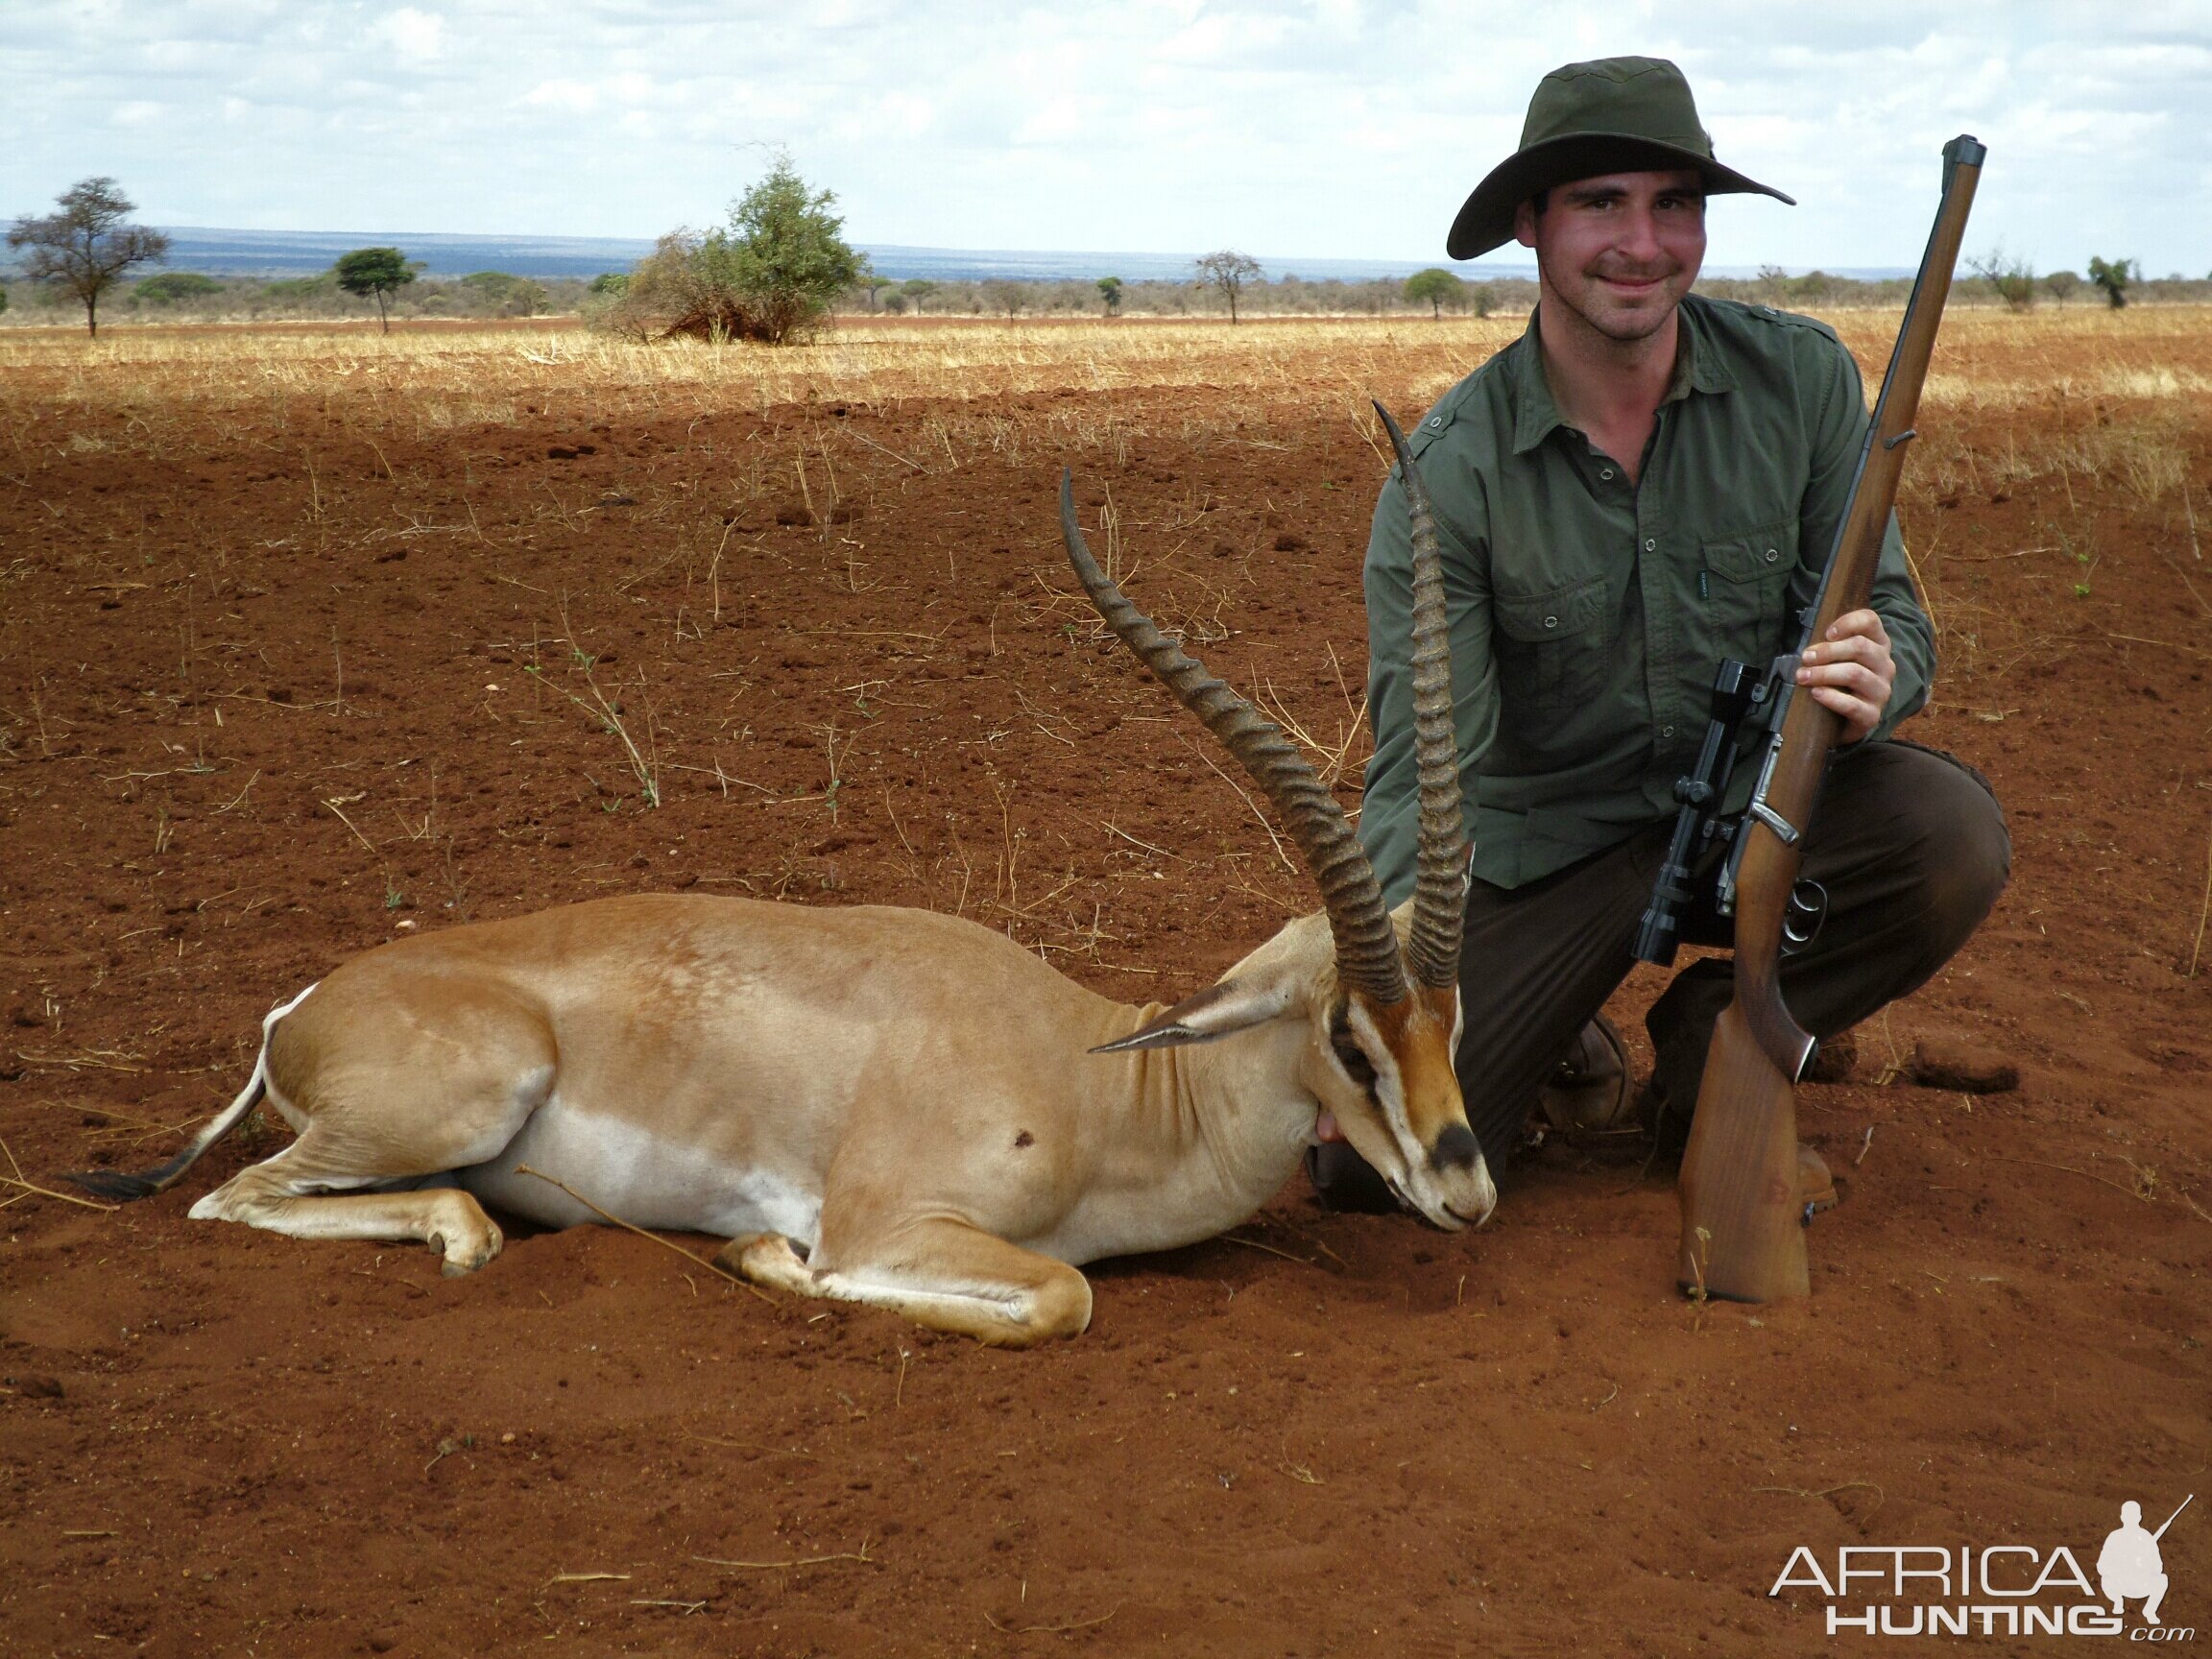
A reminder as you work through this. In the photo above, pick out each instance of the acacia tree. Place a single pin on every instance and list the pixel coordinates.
(1229, 271)
(784, 253)
(1110, 295)
(917, 290)
(2012, 276)
(1440, 287)
(377, 271)
(87, 246)
(2113, 278)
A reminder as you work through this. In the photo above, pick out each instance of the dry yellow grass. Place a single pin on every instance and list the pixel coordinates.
(2149, 364)
(1988, 358)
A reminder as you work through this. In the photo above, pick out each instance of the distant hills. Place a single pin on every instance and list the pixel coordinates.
(221, 252)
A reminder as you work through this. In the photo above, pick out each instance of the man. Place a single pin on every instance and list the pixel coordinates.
(2129, 1563)
(1645, 483)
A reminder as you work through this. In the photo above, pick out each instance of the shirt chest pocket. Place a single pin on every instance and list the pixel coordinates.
(1742, 590)
(1551, 646)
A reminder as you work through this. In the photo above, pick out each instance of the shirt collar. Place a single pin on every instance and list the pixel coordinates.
(1698, 367)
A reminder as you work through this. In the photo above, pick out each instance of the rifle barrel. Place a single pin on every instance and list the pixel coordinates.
(2175, 1516)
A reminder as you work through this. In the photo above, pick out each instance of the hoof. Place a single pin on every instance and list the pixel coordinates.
(465, 1256)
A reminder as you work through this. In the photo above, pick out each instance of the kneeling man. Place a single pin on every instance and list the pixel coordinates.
(1645, 483)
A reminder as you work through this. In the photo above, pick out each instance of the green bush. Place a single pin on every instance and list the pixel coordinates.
(772, 276)
(171, 286)
(504, 295)
(2114, 277)
(785, 255)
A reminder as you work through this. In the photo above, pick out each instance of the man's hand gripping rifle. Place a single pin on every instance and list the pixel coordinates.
(1741, 1232)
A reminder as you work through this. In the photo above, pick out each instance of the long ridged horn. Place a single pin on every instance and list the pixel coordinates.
(1439, 900)
(1366, 944)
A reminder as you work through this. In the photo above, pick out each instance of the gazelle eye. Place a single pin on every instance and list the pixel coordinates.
(1351, 1056)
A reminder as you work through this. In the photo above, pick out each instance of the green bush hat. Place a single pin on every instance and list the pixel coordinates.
(1616, 114)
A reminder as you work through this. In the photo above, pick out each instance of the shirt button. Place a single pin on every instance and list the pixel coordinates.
(1666, 730)
(1649, 546)
(1550, 621)
(1435, 422)
(1605, 472)
(1772, 554)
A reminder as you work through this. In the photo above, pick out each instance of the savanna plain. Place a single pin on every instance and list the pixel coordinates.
(311, 639)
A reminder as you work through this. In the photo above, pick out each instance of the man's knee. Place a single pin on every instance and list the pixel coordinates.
(1961, 850)
(1934, 827)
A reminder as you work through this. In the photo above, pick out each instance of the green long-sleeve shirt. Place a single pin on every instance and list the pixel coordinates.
(1588, 614)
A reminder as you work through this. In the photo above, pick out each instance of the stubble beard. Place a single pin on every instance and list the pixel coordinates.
(1623, 323)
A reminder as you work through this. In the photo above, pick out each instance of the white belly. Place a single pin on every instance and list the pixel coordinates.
(646, 1180)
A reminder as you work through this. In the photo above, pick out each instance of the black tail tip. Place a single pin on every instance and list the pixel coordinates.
(115, 1184)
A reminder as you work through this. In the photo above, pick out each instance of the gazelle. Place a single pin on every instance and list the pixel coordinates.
(886, 1106)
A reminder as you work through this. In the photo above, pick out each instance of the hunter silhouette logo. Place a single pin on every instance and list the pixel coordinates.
(2130, 1564)
(2012, 1588)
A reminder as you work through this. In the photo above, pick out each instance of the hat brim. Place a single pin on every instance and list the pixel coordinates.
(1486, 220)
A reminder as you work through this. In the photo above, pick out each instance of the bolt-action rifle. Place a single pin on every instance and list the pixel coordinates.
(1742, 1233)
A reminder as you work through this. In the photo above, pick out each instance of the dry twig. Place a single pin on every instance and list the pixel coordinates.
(615, 1220)
(1051, 1629)
(862, 1556)
(16, 1180)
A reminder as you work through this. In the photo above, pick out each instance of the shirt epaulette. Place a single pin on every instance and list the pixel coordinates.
(1775, 317)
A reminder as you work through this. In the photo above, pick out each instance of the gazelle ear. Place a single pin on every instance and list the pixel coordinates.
(1233, 1005)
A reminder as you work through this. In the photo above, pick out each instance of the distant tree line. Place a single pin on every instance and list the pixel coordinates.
(192, 296)
(187, 296)
(780, 268)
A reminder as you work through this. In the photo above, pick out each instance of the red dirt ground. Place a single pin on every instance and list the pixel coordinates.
(256, 718)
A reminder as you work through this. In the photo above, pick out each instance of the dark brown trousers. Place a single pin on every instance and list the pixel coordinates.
(1909, 844)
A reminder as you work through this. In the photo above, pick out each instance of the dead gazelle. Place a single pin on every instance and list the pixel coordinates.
(885, 1106)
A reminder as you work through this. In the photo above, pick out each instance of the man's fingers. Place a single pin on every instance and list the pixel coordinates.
(1851, 672)
(1859, 717)
(1859, 678)
(1854, 648)
(1865, 623)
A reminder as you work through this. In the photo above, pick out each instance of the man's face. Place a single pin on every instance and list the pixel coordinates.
(1621, 250)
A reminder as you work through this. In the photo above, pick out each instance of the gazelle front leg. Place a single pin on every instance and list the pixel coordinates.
(942, 1273)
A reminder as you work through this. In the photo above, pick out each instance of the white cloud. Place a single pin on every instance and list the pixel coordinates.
(418, 36)
(575, 96)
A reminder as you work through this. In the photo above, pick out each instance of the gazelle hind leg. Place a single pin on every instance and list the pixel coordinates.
(392, 1088)
(291, 1194)
(940, 1273)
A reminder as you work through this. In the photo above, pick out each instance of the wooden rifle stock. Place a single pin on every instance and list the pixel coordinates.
(1743, 1222)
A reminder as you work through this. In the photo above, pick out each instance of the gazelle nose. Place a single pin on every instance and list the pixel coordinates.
(1455, 1148)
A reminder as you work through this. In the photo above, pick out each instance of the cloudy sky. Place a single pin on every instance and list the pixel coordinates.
(1336, 127)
